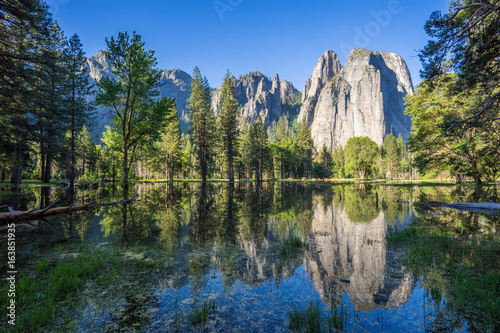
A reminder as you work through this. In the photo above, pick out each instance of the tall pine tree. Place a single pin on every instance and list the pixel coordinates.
(202, 121)
(78, 87)
(227, 123)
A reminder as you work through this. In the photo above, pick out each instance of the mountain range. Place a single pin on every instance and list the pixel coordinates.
(365, 97)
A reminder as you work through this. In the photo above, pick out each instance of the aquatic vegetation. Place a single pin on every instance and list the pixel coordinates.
(291, 247)
(467, 267)
(200, 313)
(57, 279)
(311, 319)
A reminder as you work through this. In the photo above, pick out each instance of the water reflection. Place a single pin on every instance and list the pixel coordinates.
(226, 241)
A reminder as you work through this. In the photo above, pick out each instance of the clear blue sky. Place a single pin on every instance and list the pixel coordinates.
(283, 36)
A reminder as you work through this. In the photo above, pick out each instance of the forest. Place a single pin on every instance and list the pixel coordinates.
(46, 114)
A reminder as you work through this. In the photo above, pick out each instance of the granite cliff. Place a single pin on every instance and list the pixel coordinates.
(364, 98)
(258, 96)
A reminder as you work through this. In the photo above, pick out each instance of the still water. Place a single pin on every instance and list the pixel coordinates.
(256, 252)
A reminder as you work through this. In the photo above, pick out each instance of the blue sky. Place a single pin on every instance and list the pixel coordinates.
(282, 36)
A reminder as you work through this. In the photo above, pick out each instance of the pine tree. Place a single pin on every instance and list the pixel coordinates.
(87, 153)
(244, 150)
(325, 161)
(170, 146)
(51, 116)
(227, 123)
(78, 88)
(138, 115)
(23, 26)
(281, 132)
(259, 150)
(305, 143)
(390, 156)
(202, 121)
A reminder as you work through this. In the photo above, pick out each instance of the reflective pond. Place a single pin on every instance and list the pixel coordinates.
(243, 257)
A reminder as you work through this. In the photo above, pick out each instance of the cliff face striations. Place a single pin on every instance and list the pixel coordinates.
(364, 98)
(258, 96)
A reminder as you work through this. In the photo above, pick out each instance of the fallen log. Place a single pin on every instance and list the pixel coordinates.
(49, 211)
(466, 206)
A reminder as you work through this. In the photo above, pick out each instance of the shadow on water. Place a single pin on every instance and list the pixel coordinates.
(240, 256)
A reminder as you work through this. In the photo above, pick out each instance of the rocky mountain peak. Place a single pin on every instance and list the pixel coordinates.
(326, 68)
(365, 98)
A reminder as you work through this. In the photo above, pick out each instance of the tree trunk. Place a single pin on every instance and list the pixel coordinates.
(16, 168)
(125, 163)
(72, 153)
(42, 162)
(3, 175)
(230, 170)
(48, 167)
(203, 166)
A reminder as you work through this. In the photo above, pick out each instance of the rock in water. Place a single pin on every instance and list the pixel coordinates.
(364, 98)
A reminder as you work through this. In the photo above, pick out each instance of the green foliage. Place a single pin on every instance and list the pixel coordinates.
(467, 275)
(360, 154)
(464, 104)
(461, 150)
(169, 147)
(310, 319)
(324, 168)
(259, 150)
(227, 124)
(305, 144)
(202, 121)
(138, 115)
(86, 157)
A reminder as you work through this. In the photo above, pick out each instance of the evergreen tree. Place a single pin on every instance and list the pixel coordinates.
(23, 26)
(338, 163)
(282, 127)
(51, 115)
(227, 123)
(244, 154)
(390, 156)
(78, 88)
(138, 115)
(259, 150)
(305, 143)
(87, 153)
(325, 161)
(170, 146)
(202, 121)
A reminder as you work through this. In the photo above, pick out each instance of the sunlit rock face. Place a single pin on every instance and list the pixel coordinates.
(351, 257)
(364, 98)
(258, 96)
(326, 68)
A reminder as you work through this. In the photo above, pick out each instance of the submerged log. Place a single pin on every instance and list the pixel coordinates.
(34, 214)
(466, 206)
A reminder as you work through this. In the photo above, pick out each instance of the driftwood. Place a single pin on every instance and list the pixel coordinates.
(466, 206)
(49, 211)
